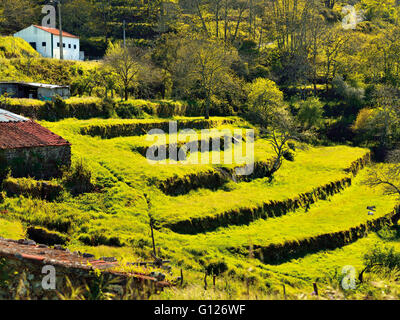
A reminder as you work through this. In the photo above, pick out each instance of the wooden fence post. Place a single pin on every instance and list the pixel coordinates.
(284, 291)
(315, 289)
(181, 277)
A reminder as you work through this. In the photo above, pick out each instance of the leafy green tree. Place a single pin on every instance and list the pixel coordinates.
(203, 63)
(380, 124)
(264, 98)
(17, 14)
(124, 63)
(310, 112)
(78, 16)
(376, 10)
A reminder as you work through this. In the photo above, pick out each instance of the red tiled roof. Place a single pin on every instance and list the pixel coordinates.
(27, 134)
(56, 32)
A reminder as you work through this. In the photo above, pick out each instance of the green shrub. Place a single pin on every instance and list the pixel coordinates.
(2, 196)
(78, 179)
(382, 258)
(98, 239)
(44, 236)
(310, 112)
(13, 47)
(216, 268)
(30, 108)
(168, 108)
(31, 188)
(137, 128)
(288, 155)
(130, 110)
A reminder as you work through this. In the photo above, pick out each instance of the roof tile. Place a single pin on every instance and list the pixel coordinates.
(27, 134)
(56, 32)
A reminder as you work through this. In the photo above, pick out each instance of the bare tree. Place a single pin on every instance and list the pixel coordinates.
(124, 62)
(283, 129)
(204, 63)
(332, 45)
(386, 176)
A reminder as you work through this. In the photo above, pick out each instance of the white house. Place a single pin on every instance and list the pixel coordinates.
(46, 41)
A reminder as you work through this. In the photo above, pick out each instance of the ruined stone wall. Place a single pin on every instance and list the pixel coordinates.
(22, 278)
(38, 162)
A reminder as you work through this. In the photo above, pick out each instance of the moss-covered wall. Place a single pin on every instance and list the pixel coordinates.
(22, 278)
(38, 162)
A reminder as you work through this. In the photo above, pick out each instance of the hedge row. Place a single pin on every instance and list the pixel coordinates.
(212, 179)
(92, 107)
(166, 148)
(98, 240)
(80, 108)
(32, 188)
(359, 164)
(242, 216)
(160, 108)
(279, 253)
(126, 129)
(44, 236)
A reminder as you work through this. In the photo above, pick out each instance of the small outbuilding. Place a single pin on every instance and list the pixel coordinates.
(30, 90)
(29, 149)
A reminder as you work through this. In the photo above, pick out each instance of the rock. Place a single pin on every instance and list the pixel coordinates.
(109, 259)
(158, 275)
(18, 256)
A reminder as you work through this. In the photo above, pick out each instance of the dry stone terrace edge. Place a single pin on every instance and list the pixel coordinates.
(40, 254)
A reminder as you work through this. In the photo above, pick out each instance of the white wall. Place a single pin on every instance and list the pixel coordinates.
(33, 34)
(69, 53)
(39, 36)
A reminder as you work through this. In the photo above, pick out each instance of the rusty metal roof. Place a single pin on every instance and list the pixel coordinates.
(6, 116)
(36, 85)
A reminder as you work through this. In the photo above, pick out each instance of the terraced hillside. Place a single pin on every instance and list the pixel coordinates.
(316, 203)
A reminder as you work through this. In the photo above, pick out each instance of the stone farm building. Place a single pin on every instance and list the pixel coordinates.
(29, 90)
(30, 149)
(46, 41)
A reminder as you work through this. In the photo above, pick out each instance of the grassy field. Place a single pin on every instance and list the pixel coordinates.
(315, 195)
(340, 212)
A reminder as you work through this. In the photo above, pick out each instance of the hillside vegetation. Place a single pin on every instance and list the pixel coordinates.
(317, 82)
(115, 219)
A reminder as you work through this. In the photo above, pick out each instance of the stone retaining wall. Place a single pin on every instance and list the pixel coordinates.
(38, 162)
(24, 267)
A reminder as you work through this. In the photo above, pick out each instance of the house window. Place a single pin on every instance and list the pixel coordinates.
(58, 44)
(74, 46)
(63, 45)
(69, 46)
(43, 44)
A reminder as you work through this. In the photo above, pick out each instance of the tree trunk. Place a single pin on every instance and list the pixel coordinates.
(207, 111)
(217, 21)
(201, 17)
(226, 22)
